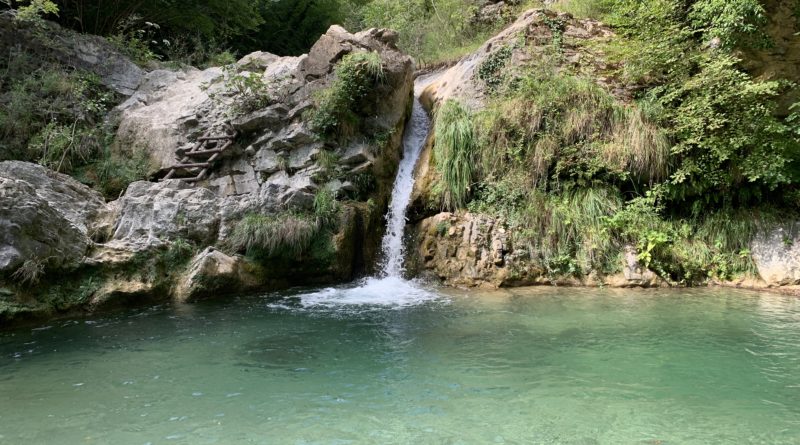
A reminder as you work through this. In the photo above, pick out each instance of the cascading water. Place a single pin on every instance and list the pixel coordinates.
(413, 140)
(389, 288)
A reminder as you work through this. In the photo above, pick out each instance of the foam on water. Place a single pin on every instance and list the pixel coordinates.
(389, 292)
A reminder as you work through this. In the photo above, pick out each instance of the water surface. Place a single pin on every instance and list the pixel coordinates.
(549, 366)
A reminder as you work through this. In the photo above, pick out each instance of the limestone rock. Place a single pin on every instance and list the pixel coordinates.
(474, 250)
(81, 51)
(261, 119)
(777, 256)
(257, 61)
(212, 272)
(44, 216)
(170, 110)
(152, 213)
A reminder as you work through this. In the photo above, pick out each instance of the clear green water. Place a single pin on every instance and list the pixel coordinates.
(560, 366)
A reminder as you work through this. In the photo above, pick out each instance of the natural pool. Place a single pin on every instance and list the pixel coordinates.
(545, 365)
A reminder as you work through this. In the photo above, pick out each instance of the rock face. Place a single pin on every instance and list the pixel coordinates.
(44, 216)
(777, 256)
(140, 246)
(536, 29)
(90, 53)
(473, 250)
(152, 214)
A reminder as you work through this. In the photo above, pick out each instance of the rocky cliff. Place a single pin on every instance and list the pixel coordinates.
(471, 249)
(63, 248)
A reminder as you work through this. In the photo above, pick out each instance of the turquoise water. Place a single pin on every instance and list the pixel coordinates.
(550, 366)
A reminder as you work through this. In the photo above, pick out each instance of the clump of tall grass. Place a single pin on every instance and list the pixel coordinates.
(568, 234)
(287, 232)
(550, 121)
(273, 234)
(454, 152)
(30, 272)
(326, 208)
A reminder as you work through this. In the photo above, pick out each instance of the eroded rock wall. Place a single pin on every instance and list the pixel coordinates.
(169, 239)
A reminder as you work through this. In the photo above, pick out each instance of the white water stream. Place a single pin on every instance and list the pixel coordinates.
(389, 288)
(413, 140)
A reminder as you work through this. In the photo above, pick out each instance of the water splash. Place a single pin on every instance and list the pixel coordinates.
(413, 140)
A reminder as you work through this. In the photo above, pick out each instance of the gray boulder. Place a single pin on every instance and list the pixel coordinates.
(82, 51)
(44, 216)
(777, 255)
(151, 214)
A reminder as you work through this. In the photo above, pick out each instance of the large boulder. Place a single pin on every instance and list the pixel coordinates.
(44, 216)
(213, 272)
(83, 51)
(776, 254)
(152, 214)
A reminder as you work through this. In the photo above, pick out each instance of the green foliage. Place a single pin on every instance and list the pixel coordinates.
(179, 252)
(251, 90)
(454, 152)
(326, 208)
(136, 39)
(36, 9)
(730, 145)
(431, 31)
(492, 70)
(274, 235)
(336, 112)
(737, 22)
(114, 170)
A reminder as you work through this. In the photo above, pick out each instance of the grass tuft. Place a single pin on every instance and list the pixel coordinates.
(454, 151)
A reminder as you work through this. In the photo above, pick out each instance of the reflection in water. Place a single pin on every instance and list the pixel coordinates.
(521, 366)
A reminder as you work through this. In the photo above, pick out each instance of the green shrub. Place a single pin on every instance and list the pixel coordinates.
(251, 90)
(336, 112)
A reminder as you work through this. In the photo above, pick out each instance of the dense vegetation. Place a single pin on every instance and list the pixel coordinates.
(703, 158)
(687, 174)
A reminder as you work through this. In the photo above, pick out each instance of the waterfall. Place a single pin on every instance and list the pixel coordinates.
(414, 137)
(389, 288)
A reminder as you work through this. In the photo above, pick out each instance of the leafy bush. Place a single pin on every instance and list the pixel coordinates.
(251, 90)
(336, 112)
